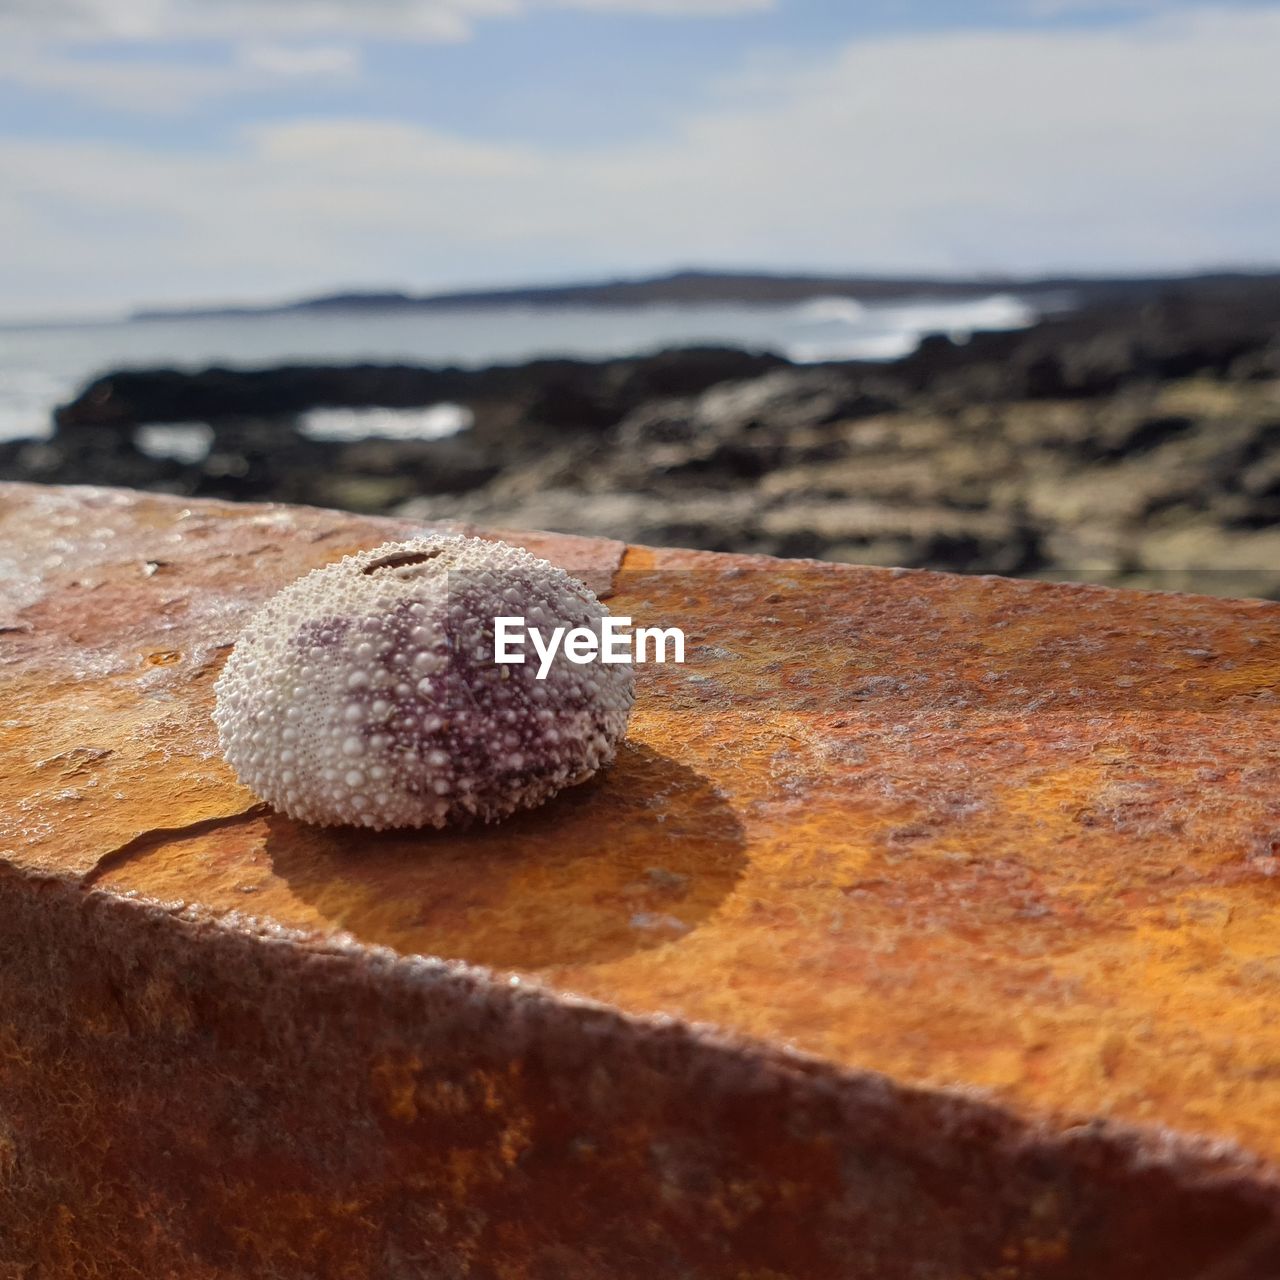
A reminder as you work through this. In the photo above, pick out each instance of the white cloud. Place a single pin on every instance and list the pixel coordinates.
(277, 39)
(130, 86)
(305, 61)
(1144, 147)
(240, 19)
(670, 8)
(302, 19)
(1061, 8)
(165, 86)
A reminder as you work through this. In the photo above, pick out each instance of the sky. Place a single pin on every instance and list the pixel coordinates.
(188, 151)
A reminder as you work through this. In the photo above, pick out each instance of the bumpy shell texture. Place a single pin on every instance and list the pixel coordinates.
(367, 693)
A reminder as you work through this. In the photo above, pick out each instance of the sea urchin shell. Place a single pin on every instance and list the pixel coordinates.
(368, 693)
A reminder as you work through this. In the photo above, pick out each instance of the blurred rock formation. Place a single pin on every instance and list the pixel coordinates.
(1135, 443)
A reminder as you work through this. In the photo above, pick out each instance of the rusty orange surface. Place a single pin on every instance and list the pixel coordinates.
(1007, 837)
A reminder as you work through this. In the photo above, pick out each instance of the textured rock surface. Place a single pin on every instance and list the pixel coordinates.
(925, 927)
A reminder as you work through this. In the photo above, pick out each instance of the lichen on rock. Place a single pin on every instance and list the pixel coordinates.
(368, 693)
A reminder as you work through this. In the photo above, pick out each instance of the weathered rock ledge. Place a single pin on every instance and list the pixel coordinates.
(925, 927)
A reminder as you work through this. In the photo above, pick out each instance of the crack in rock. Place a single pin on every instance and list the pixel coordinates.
(147, 841)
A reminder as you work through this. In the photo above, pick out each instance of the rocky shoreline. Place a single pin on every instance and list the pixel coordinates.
(1136, 442)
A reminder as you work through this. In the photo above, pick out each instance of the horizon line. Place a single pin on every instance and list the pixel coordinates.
(550, 294)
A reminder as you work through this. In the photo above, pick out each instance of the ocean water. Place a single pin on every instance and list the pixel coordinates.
(42, 367)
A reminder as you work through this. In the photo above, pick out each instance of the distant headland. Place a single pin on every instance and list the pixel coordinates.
(704, 288)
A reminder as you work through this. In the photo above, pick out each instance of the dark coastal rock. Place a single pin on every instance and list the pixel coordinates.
(569, 394)
(1219, 330)
(739, 430)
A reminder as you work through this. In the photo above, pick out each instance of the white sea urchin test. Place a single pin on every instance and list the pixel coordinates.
(367, 692)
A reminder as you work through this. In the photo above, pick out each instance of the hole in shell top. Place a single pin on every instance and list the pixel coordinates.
(403, 560)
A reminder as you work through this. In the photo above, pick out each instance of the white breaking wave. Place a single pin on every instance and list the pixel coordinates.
(434, 423)
(892, 331)
(190, 442)
(182, 441)
(868, 346)
(999, 311)
(827, 310)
